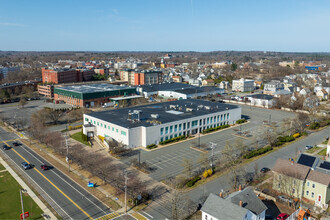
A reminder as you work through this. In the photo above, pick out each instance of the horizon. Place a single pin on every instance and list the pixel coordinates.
(178, 26)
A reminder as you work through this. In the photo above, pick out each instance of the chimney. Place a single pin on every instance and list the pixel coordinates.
(240, 187)
(221, 194)
(241, 203)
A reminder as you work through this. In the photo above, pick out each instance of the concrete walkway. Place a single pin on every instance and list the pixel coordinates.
(46, 211)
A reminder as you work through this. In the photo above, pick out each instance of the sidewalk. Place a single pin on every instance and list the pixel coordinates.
(35, 198)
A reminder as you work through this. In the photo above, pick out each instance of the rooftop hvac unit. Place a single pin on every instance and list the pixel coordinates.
(154, 116)
(207, 107)
(189, 109)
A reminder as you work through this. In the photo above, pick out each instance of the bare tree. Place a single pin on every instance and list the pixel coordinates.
(22, 102)
(187, 167)
(182, 206)
(270, 135)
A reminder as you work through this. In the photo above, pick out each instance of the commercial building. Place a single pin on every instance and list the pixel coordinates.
(57, 76)
(150, 90)
(190, 93)
(273, 86)
(92, 94)
(46, 90)
(151, 124)
(141, 77)
(243, 85)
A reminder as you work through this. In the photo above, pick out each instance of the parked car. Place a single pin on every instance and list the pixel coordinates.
(16, 144)
(5, 147)
(284, 199)
(308, 147)
(264, 170)
(282, 216)
(26, 166)
(44, 167)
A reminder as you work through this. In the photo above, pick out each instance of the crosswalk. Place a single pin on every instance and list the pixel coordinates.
(109, 216)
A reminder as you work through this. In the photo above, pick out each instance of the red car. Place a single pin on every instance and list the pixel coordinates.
(282, 216)
(44, 167)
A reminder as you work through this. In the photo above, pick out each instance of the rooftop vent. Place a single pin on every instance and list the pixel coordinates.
(154, 116)
(207, 107)
(189, 109)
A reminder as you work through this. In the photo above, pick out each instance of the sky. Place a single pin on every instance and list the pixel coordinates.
(159, 25)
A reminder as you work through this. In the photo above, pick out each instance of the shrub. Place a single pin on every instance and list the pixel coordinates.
(84, 137)
(257, 152)
(205, 174)
(314, 125)
(304, 133)
(214, 129)
(70, 128)
(101, 138)
(193, 181)
(241, 121)
(152, 146)
(296, 135)
(176, 139)
(289, 138)
(210, 172)
(78, 126)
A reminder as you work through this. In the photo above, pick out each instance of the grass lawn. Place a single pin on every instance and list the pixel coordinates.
(10, 202)
(78, 137)
(312, 150)
(323, 152)
(1, 167)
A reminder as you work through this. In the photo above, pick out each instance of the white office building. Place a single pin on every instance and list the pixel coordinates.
(243, 85)
(151, 124)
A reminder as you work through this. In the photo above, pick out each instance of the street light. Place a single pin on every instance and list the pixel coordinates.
(20, 192)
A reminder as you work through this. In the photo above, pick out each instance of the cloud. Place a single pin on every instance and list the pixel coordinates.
(12, 24)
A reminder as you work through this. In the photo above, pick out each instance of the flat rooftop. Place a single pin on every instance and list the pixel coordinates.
(93, 88)
(165, 87)
(166, 112)
(189, 91)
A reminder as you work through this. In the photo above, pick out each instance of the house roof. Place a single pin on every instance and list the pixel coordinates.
(320, 177)
(222, 209)
(261, 96)
(209, 80)
(324, 92)
(292, 169)
(249, 199)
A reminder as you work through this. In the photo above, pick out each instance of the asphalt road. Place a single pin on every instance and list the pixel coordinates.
(168, 162)
(68, 199)
(160, 208)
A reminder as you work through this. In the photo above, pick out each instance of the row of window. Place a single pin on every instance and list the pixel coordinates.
(100, 124)
(312, 194)
(205, 121)
(313, 185)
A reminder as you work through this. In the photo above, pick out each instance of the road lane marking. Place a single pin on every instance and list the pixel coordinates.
(67, 182)
(55, 186)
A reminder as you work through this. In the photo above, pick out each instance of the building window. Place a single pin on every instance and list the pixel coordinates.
(117, 130)
(204, 121)
(205, 217)
(109, 127)
(279, 186)
(184, 126)
(194, 123)
(313, 185)
(113, 129)
(312, 195)
(211, 120)
(293, 191)
(188, 125)
(307, 183)
(171, 129)
(180, 127)
(175, 135)
(221, 117)
(208, 120)
(166, 130)
(105, 126)
(180, 134)
(161, 139)
(123, 133)
(161, 131)
(171, 136)
(175, 128)
(200, 122)
(97, 124)
(307, 192)
(294, 182)
(86, 119)
(94, 122)
(227, 115)
(166, 138)
(214, 119)
(218, 118)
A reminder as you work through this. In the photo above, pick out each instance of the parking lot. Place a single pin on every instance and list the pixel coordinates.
(168, 161)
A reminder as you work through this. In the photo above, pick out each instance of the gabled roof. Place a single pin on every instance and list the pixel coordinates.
(222, 209)
(292, 169)
(320, 177)
(249, 199)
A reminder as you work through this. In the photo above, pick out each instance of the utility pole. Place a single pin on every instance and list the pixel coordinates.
(270, 118)
(125, 175)
(67, 152)
(212, 147)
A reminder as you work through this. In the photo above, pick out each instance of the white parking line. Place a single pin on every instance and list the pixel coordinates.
(147, 214)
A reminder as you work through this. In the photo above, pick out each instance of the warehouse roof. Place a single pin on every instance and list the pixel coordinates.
(93, 88)
(165, 86)
(189, 91)
(161, 113)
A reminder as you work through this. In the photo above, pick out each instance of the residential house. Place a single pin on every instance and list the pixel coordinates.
(177, 79)
(208, 82)
(304, 91)
(257, 84)
(273, 86)
(261, 100)
(243, 205)
(308, 178)
(281, 93)
(224, 85)
(322, 94)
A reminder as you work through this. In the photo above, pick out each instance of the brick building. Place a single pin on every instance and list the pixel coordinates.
(46, 90)
(141, 77)
(57, 76)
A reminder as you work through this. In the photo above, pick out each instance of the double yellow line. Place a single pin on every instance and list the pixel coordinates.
(53, 185)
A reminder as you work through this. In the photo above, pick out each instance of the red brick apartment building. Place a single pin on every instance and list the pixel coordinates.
(58, 76)
(46, 90)
(144, 77)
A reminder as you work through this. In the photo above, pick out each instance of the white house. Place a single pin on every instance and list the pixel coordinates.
(243, 85)
(151, 124)
(240, 205)
(322, 94)
(261, 100)
(189, 93)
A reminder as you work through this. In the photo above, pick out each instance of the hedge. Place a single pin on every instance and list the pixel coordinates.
(257, 152)
(190, 183)
(214, 129)
(314, 125)
(152, 146)
(175, 139)
(241, 121)
(285, 139)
